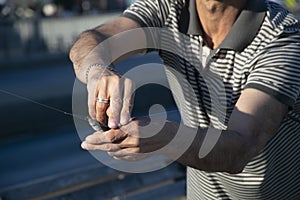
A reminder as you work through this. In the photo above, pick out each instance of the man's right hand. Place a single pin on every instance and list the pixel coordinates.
(105, 84)
(108, 84)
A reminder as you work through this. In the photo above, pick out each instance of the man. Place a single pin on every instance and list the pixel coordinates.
(254, 47)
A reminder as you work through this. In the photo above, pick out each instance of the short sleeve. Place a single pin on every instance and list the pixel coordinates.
(277, 72)
(148, 13)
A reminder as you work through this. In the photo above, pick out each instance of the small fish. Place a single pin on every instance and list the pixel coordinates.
(97, 126)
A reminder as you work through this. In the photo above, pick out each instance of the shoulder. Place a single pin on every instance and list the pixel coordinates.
(281, 19)
(154, 13)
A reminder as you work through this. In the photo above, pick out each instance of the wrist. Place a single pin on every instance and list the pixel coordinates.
(98, 70)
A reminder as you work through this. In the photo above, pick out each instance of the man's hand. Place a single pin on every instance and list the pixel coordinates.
(93, 47)
(133, 141)
(106, 84)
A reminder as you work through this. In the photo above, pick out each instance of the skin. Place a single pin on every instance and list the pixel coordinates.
(217, 18)
(104, 83)
(255, 118)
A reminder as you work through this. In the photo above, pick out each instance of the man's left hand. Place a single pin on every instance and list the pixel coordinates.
(134, 141)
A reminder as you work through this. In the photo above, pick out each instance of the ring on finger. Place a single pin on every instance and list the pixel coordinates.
(103, 100)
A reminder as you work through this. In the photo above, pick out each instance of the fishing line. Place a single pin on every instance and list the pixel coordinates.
(44, 105)
(95, 124)
(35, 102)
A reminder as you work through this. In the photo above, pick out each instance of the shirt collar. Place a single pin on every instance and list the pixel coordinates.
(241, 34)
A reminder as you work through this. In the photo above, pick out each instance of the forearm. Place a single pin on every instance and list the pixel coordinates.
(85, 44)
(230, 153)
(93, 47)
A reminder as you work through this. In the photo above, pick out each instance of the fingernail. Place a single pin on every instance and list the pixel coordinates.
(124, 119)
(112, 124)
(83, 145)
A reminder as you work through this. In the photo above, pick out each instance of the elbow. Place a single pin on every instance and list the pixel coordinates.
(236, 168)
(245, 153)
(238, 164)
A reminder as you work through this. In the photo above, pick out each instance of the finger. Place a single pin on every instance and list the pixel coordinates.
(128, 98)
(98, 138)
(92, 95)
(116, 101)
(131, 128)
(109, 147)
(111, 136)
(129, 154)
(123, 152)
(101, 107)
(129, 142)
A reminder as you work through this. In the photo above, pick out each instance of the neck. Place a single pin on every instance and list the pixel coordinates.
(217, 17)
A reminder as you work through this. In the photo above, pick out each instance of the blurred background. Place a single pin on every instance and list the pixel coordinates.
(40, 154)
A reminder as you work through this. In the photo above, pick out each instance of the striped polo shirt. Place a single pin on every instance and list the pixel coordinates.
(261, 51)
